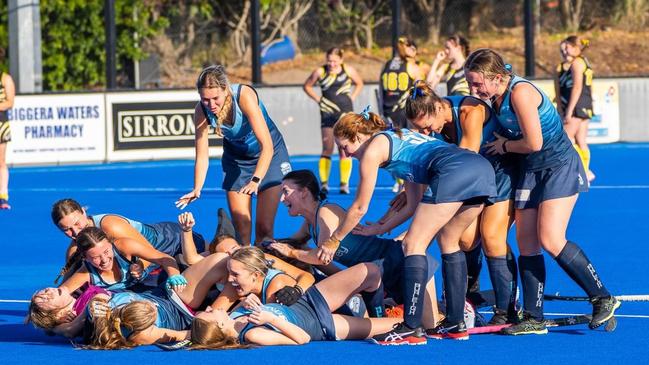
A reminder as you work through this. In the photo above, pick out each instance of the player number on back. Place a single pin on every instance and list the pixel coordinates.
(393, 81)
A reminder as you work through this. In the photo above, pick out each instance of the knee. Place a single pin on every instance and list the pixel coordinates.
(412, 248)
(372, 274)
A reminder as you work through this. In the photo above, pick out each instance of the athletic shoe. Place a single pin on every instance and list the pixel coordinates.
(603, 310)
(453, 331)
(324, 188)
(501, 317)
(394, 312)
(401, 334)
(528, 326)
(344, 189)
(175, 346)
(4, 204)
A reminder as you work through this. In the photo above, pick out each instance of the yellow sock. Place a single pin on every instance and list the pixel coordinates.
(345, 170)
(324, 167)
(4, 196)
(585, 158)
(580, 152)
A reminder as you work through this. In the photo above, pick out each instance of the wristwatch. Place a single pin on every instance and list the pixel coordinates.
(255, 179)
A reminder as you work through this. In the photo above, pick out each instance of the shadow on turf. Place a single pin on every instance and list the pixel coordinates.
(25, 333)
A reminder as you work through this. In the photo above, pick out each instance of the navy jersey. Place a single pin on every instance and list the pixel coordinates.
(238, 138)
(556, 145)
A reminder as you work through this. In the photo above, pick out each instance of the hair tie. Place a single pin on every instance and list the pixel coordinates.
(416, 92)
(366, 112)
(508, 67)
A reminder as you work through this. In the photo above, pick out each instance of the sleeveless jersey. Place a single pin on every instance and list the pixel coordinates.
(566, 84)
(336, 88)
(356, 248)
(395, 83)
(556, 144)
(456, 83)
(125, 281)
(278, 309)
(415, 157)
(488, 127)
(145, 230)
(270, 275)
(238, 138)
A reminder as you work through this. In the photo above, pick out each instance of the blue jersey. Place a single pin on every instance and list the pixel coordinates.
(125, 281)
(414, 157)
(355, 249)
(169, 315)
(275, 308)
(238, 138)
(556, 145)
(270, 275)
(144, 229)
(488, 127)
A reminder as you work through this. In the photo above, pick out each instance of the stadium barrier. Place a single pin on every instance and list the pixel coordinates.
(157, 125)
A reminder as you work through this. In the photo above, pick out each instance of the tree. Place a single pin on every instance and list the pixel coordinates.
(571, 14)
(432, 11)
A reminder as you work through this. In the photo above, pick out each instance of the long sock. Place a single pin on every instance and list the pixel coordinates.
(503, 274)
(415, 268)
(585, 158)
(473, 267)
(324, 167)
(580, 152)
(533, 281)
(374, 302)
(455, 284)
(575, 263)
(345, 170)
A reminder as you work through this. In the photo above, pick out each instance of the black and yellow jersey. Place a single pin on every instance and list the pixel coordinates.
(3, 97)
(396, 80)
(336, 88)
(456, 83)
(585, 102)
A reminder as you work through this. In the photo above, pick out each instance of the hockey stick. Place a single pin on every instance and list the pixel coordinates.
(622, 298)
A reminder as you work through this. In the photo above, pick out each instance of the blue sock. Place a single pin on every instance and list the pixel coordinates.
(504, 275)
(374, 302)
(415, 269)
(533, 281)
(473, 266)
(575, 263)
(455, 284)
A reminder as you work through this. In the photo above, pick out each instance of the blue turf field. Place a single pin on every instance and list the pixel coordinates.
(609, 223)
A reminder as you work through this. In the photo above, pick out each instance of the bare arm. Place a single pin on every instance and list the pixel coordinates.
(557, 90)
(304, 279)
(308, 85)
(10, 92)
(414, 192)
(131, 248)
(577, 70)
(289, 334)
(190, 254)
(202, 159)
(472, 117)
(250, 107)
(77, 279)
(358, 81)
(155, 334)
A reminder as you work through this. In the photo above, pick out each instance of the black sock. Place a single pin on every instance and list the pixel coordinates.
(575, 263)
(455, 283)
(473, 267)
(374, 302)
(504, 275)
(415, 269)
(532, 270)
